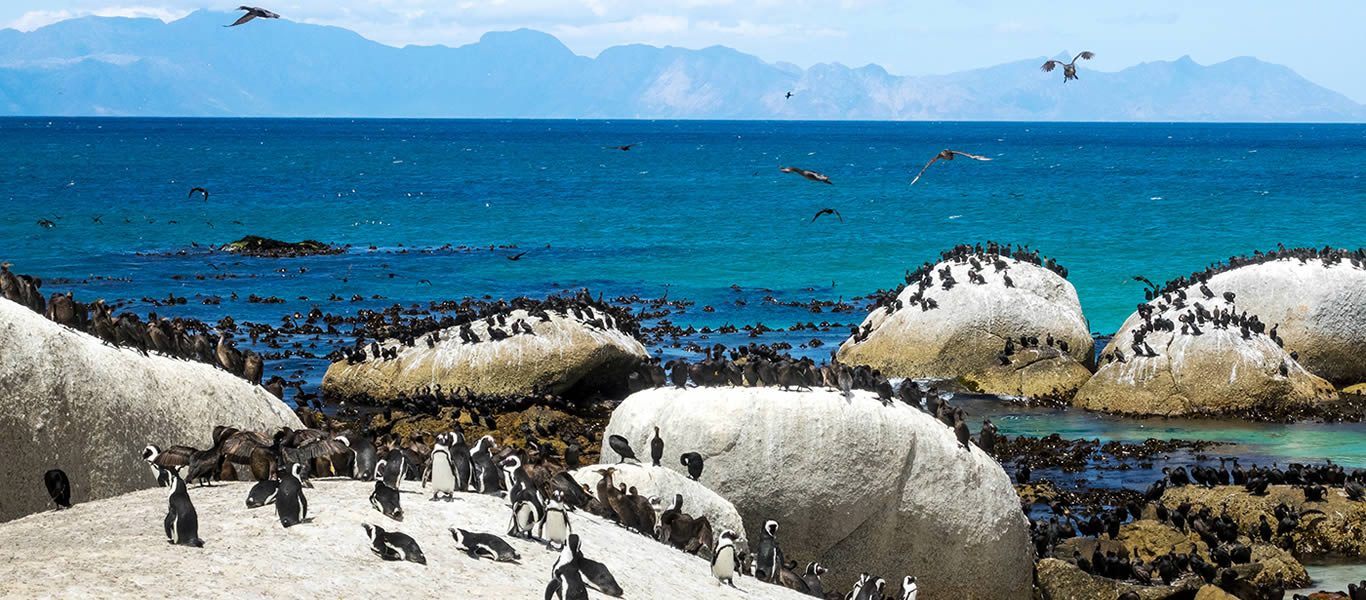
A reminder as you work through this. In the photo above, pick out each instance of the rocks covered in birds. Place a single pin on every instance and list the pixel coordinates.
(961, 319)
(516, 354)
(1062, 580)
(88, 408)
(662, 484)
(1198, 358)
(123, 552)
(1148, 539)
(862, 485)
(1334, 527)
(258, 246)
(1317, 308)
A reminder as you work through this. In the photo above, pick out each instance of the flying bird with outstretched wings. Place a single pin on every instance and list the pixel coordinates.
(945, 155)
(517, 256)
(828, 211)
(812, 175)
(252, 13)
(625, 148)
(200, 190)
(1069, 70)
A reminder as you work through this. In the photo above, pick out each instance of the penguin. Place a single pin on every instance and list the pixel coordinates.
(392, 545)
(484, 545)
(460, 460)
(386, 500)
(395, 468)
(182, 523)
(364, 455)
(724, 563)
(485, 479)
(656, 448)
(555, 528)
(595, 572)
(441, 470)
(290, 504)
(566, 583)
(262, 493)
(693, 461)
(909, 589)
(58, 487)
(770, 557)
(812, 577)
(871, 589)
(527, 513)
(622, 448)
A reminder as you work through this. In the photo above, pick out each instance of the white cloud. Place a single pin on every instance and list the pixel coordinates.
(35, 19)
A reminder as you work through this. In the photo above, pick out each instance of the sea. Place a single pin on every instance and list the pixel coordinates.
(694, 210)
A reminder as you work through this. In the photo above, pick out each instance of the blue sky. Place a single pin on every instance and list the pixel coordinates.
(1320, 40)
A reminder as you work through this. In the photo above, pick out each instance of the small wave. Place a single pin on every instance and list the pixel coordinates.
(1155, 198)
(955, 216)
(397, 162)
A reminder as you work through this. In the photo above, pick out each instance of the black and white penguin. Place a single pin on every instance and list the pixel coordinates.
(182, 523)
(460, 461)
(441, 470)
(484, 545)
(262, 493)
(812, 577)
(909, 589)
(527, 513)
(58, 487)
(871, 589)
(485, 473)
(769, 558)
(555, 528)
(290, 504)
(622, 447)
(656, 448)
(395, 468)
(386, 500)
(363, 453)
(595, 572)
(693, 461)
(566, 583)
(724, 563)
(392, 545)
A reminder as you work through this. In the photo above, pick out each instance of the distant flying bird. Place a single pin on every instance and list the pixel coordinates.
(47, 224)
(1069, 70)
(945, 155)
(252, 13)
(622, 148)
(812, 175)
(517, 257)
(96, 219)
(827, 211)
(200, 190)
(789, 94)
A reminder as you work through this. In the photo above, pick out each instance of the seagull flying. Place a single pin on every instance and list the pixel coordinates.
(945, 155)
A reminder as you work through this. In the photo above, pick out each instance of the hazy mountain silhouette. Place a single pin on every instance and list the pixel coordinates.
(195, 67)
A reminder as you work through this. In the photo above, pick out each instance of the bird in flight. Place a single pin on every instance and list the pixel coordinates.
(789, 94)
(812, 175)
(625, 148)
(422, 281)
(96, 219)
(517, 256)
(252, 13)
(46, 224)
(827, 211)
(200, 190)
(945, 155)
(1069, 70)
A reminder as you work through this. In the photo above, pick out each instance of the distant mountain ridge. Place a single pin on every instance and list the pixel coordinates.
(194, 67)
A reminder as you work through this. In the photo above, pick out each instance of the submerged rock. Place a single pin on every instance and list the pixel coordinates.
(854, 484)
(122, 552)
(1156, 365)
(561, 354)
(965, 335)
(74, 403)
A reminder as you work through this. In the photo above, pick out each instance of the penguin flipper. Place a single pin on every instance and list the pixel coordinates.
(552, 589)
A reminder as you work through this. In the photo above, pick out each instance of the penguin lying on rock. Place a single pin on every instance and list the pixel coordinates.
(484, 545)
(392, 545)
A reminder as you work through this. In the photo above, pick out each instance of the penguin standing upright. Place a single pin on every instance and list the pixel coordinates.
(555, 527)
(395, 468)
(909, 589)
(769, 558)
(440, 469)
(182, 523)
(460, 461)
(871, 589)
(290, 504)
(485, 472)
(58, 487)
(724, 563)
(565, 581)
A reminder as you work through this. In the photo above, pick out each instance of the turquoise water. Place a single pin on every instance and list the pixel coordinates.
(697, 207)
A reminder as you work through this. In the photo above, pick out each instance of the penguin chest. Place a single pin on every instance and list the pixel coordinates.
(443, 478)
(724, 565)
(556, 525)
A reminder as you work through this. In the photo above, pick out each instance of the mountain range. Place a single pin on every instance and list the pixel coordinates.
(114, 66)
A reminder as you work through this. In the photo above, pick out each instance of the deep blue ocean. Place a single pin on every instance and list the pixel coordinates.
(695, 208)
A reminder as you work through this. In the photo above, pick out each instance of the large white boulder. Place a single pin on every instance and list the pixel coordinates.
(964, 336)
(1216, 372)
(1321, 311)
(71, 402)
(116, 548)
(563, 352)
(855, 485)
(664, 483)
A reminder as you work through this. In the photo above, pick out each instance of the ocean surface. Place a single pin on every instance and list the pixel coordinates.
(695, 208)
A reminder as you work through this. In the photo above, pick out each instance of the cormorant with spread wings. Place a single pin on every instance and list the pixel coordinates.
(1069, 70)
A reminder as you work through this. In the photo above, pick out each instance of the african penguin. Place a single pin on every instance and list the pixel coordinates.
(392, 545)
(595, 572)
(460, 461)
(565, 581)
(58, 487)
(290, 504)
(555, 528)
(386, 500)
(724, 563)
(484, 545)
(440, 470)
(909, 589)
(769, 557)
(526, 515)
(182, 523)
(395, 468)
(262, 493)
(485, 473)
